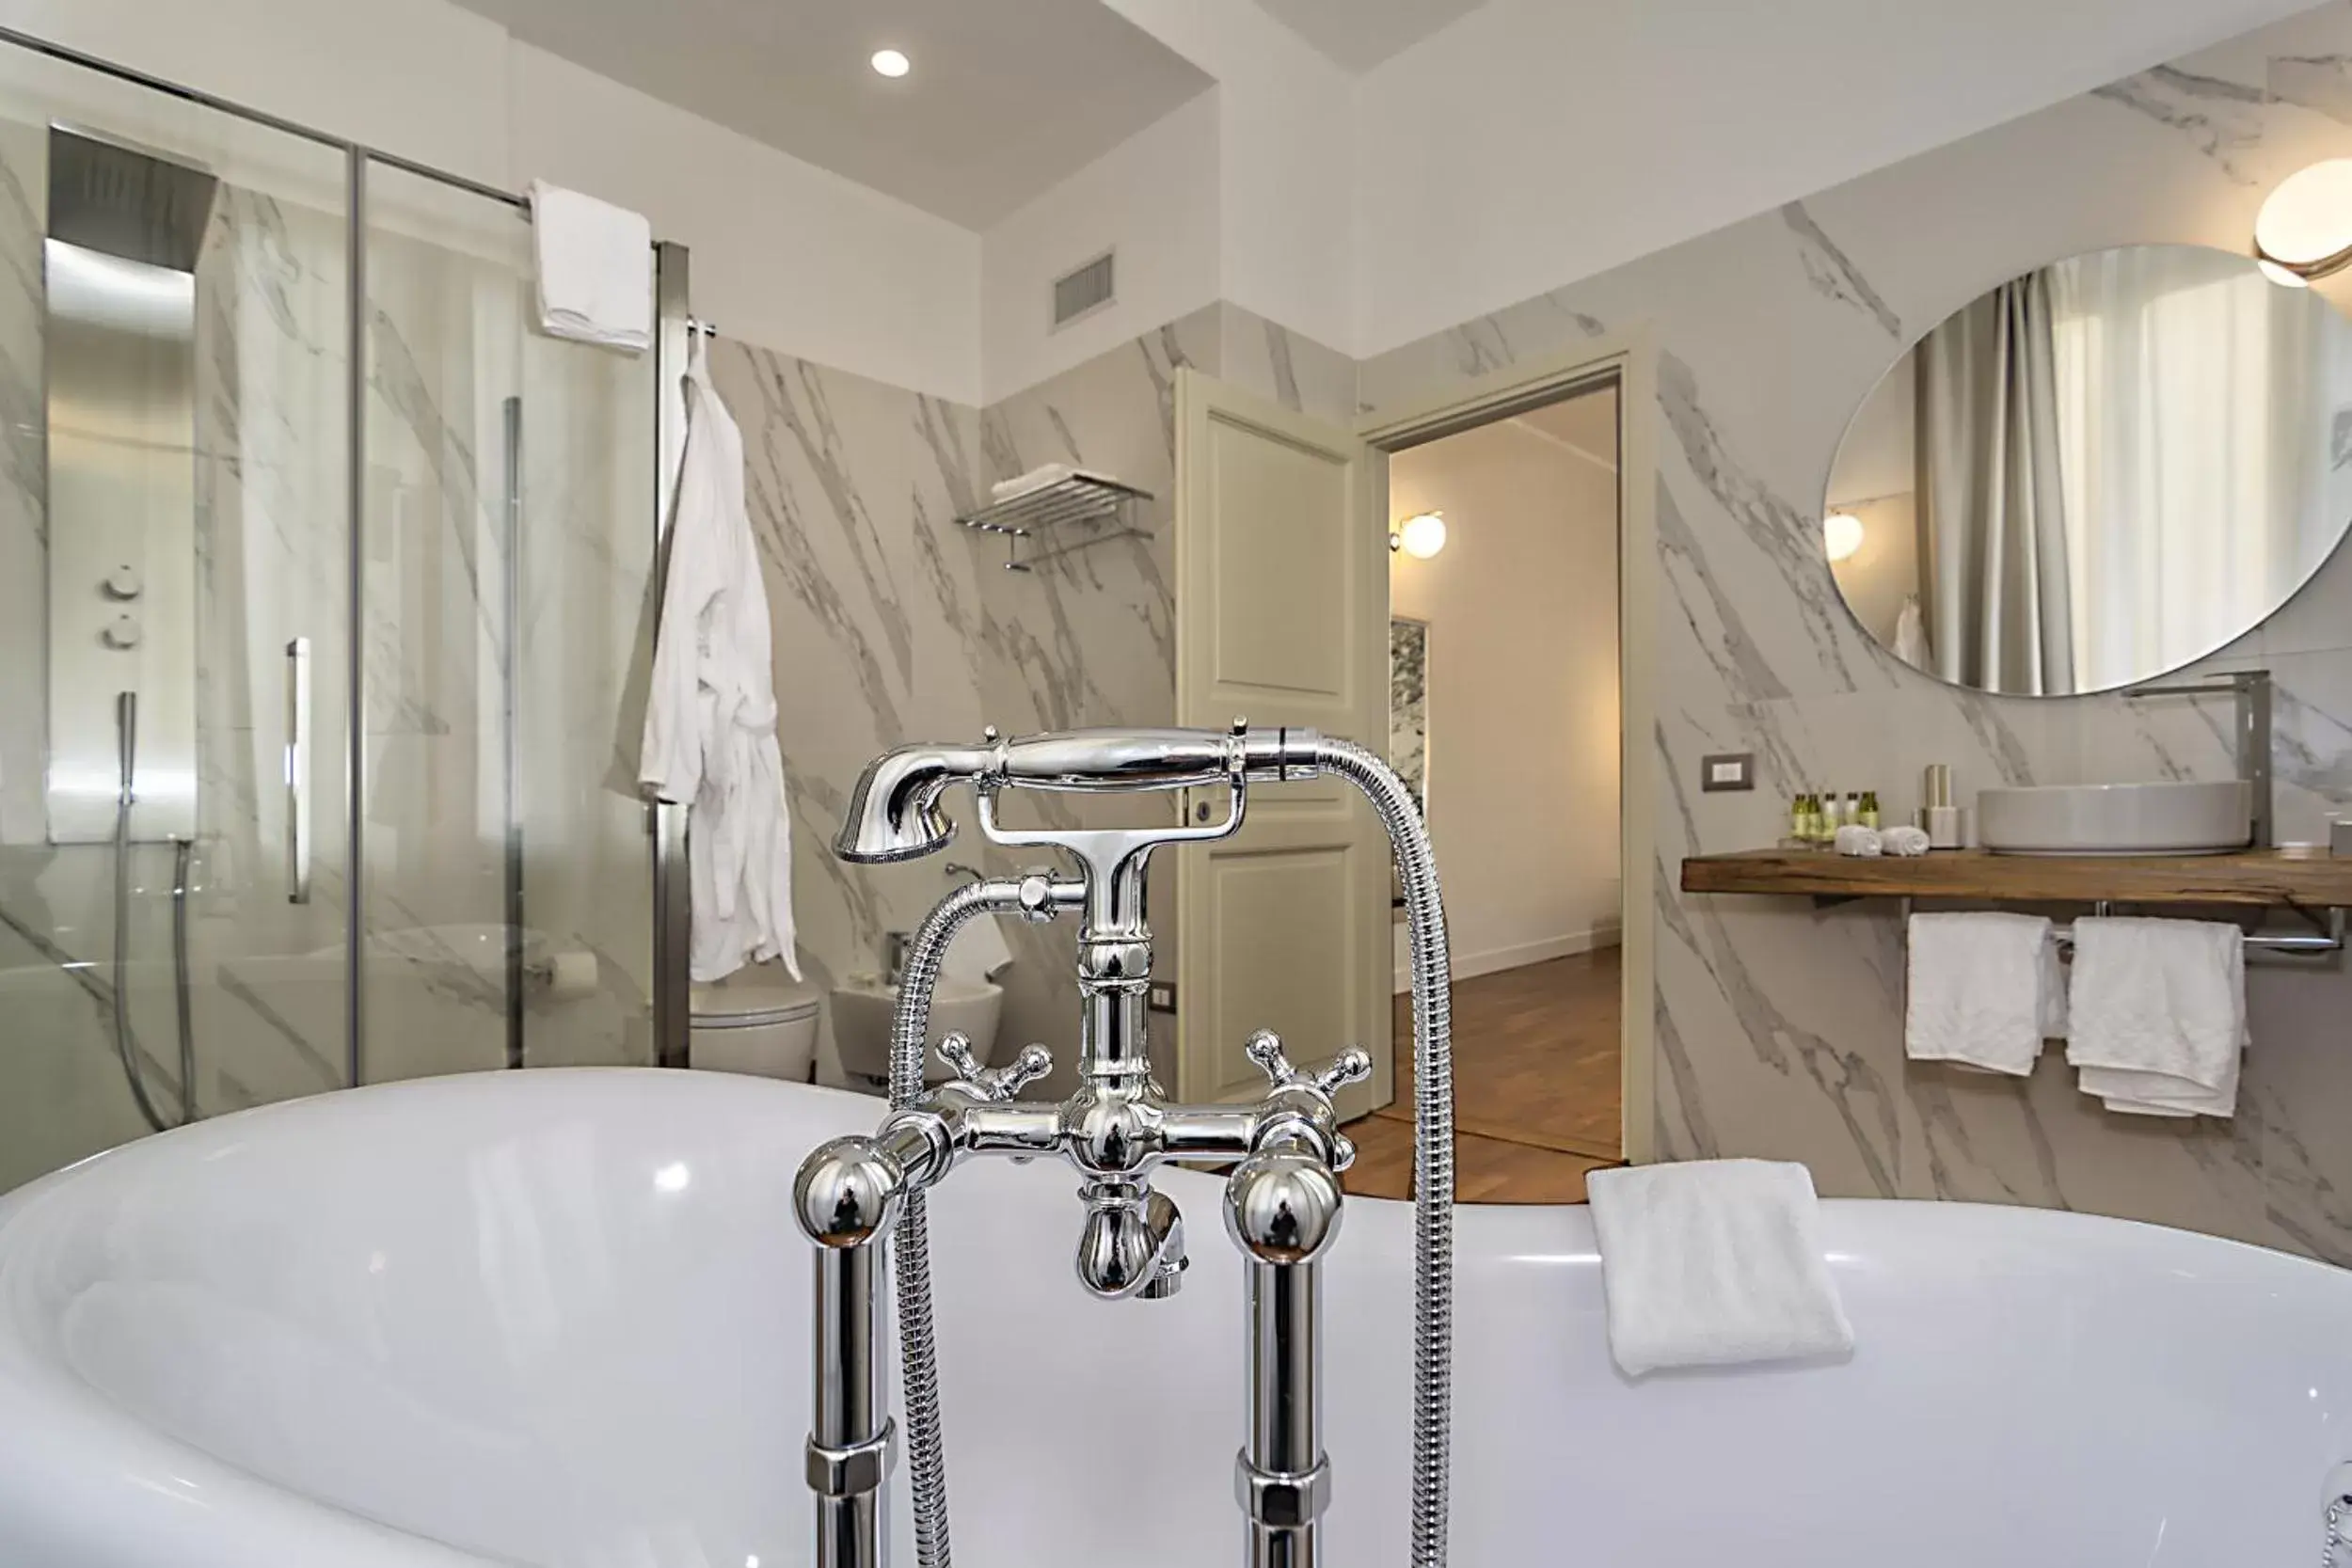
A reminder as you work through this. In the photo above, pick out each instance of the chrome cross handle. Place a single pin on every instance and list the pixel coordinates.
(991, 1083)
(1352, 1066)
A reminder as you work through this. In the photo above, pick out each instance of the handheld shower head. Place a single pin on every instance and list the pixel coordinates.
(894, 812)
(894, 815)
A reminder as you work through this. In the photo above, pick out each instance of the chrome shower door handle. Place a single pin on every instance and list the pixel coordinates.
(298, 771)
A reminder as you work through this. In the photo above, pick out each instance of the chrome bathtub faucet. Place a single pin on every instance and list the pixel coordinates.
(1283, 1202)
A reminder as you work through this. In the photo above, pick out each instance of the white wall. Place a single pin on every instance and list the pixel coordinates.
(1523, 718)
(1531, 143)
(1286, 166)
(1154, 197)
(785, 254)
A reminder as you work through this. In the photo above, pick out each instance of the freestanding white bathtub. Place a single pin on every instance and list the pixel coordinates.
(560, 1318)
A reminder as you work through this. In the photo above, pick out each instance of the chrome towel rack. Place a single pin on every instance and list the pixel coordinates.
(2326, 937)
(1075, 498)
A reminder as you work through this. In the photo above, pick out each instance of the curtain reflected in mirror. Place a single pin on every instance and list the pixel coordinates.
(2097, 473)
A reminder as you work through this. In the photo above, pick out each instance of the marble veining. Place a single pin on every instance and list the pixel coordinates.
(1833, 274)
(2221, 118)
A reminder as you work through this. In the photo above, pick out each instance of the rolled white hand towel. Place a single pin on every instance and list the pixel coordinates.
(1714, 1262)
(1904, 840)
(1861, 842)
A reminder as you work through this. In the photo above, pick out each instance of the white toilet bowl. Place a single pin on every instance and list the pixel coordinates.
(758, 1022)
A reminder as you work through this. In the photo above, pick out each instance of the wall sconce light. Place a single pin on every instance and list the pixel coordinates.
(1419, 536)
(2304, 230)
(1841, 534)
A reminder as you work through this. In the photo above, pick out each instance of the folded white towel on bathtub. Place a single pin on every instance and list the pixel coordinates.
(2159, 1015)
(1984, 990)
(1713, 1263)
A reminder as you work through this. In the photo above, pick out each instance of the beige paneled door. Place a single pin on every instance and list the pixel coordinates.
(1281, 616)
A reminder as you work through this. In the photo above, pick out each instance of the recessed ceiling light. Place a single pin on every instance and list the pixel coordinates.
(889, 62)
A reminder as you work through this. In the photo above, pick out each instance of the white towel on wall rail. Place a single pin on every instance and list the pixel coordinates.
(1984, 991)
(596, 269)
(710, 716)
(2159, 1015)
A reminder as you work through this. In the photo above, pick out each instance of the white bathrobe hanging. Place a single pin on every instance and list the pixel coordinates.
(711, 717)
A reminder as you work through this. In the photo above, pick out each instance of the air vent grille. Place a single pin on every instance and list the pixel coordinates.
(1084, 289)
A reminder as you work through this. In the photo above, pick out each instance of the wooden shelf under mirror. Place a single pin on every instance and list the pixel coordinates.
(2297, 877)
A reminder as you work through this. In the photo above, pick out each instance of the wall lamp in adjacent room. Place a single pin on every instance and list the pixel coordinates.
(1419, 536)
(2304, 230)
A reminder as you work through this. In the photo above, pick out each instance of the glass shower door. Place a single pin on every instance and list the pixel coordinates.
(507, 550)
(173, 552)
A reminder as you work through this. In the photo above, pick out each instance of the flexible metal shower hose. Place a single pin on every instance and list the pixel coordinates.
(1433, 1169)
(918, 1352)
(126, 1045)
(1433, 1135)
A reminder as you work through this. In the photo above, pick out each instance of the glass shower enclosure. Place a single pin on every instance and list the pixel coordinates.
(325, 587)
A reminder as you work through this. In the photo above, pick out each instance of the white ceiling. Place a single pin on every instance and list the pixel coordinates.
(1586, 423)
(1360, 34)
(1006, 99)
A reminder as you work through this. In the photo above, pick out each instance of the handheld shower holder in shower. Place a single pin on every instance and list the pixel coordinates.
(1283, 1202)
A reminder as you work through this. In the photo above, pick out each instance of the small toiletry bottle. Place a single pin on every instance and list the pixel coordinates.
(1869, 813)
(1833, 816)
(1816, 814)
(1800, 818)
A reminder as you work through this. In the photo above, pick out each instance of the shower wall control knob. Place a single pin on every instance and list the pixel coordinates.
(123, 632)
(124, 583)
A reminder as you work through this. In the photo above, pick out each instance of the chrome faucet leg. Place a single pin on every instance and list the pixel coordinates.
(1284, 1210)
(846, 1198)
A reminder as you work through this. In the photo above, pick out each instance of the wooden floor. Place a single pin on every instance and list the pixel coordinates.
(1537, 1097)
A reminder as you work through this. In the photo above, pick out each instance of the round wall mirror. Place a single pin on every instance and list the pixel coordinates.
(2096, 473)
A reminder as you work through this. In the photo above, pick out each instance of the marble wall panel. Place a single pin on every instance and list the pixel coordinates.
(1779, 1026)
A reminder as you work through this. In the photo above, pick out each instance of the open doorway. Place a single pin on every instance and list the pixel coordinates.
(1504, 708)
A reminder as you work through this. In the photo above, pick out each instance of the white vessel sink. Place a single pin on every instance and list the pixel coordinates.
(2117, 819)
(862, 1012)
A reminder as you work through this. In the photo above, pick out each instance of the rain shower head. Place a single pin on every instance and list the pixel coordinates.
(121, 200)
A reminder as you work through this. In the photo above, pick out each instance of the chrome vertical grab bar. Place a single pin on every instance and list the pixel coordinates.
(298, 771)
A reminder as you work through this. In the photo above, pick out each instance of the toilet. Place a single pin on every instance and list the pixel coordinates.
(755, 1022)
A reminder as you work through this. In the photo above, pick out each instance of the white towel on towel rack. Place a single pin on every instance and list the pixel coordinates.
(2159, 1015)
(1714, 1262)
(1984, 990)
(596, 269)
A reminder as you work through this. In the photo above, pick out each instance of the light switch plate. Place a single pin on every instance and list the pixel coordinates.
(1727, 771)
(1161, 998)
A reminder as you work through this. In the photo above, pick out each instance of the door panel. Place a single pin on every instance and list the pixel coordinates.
(1281, 617)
